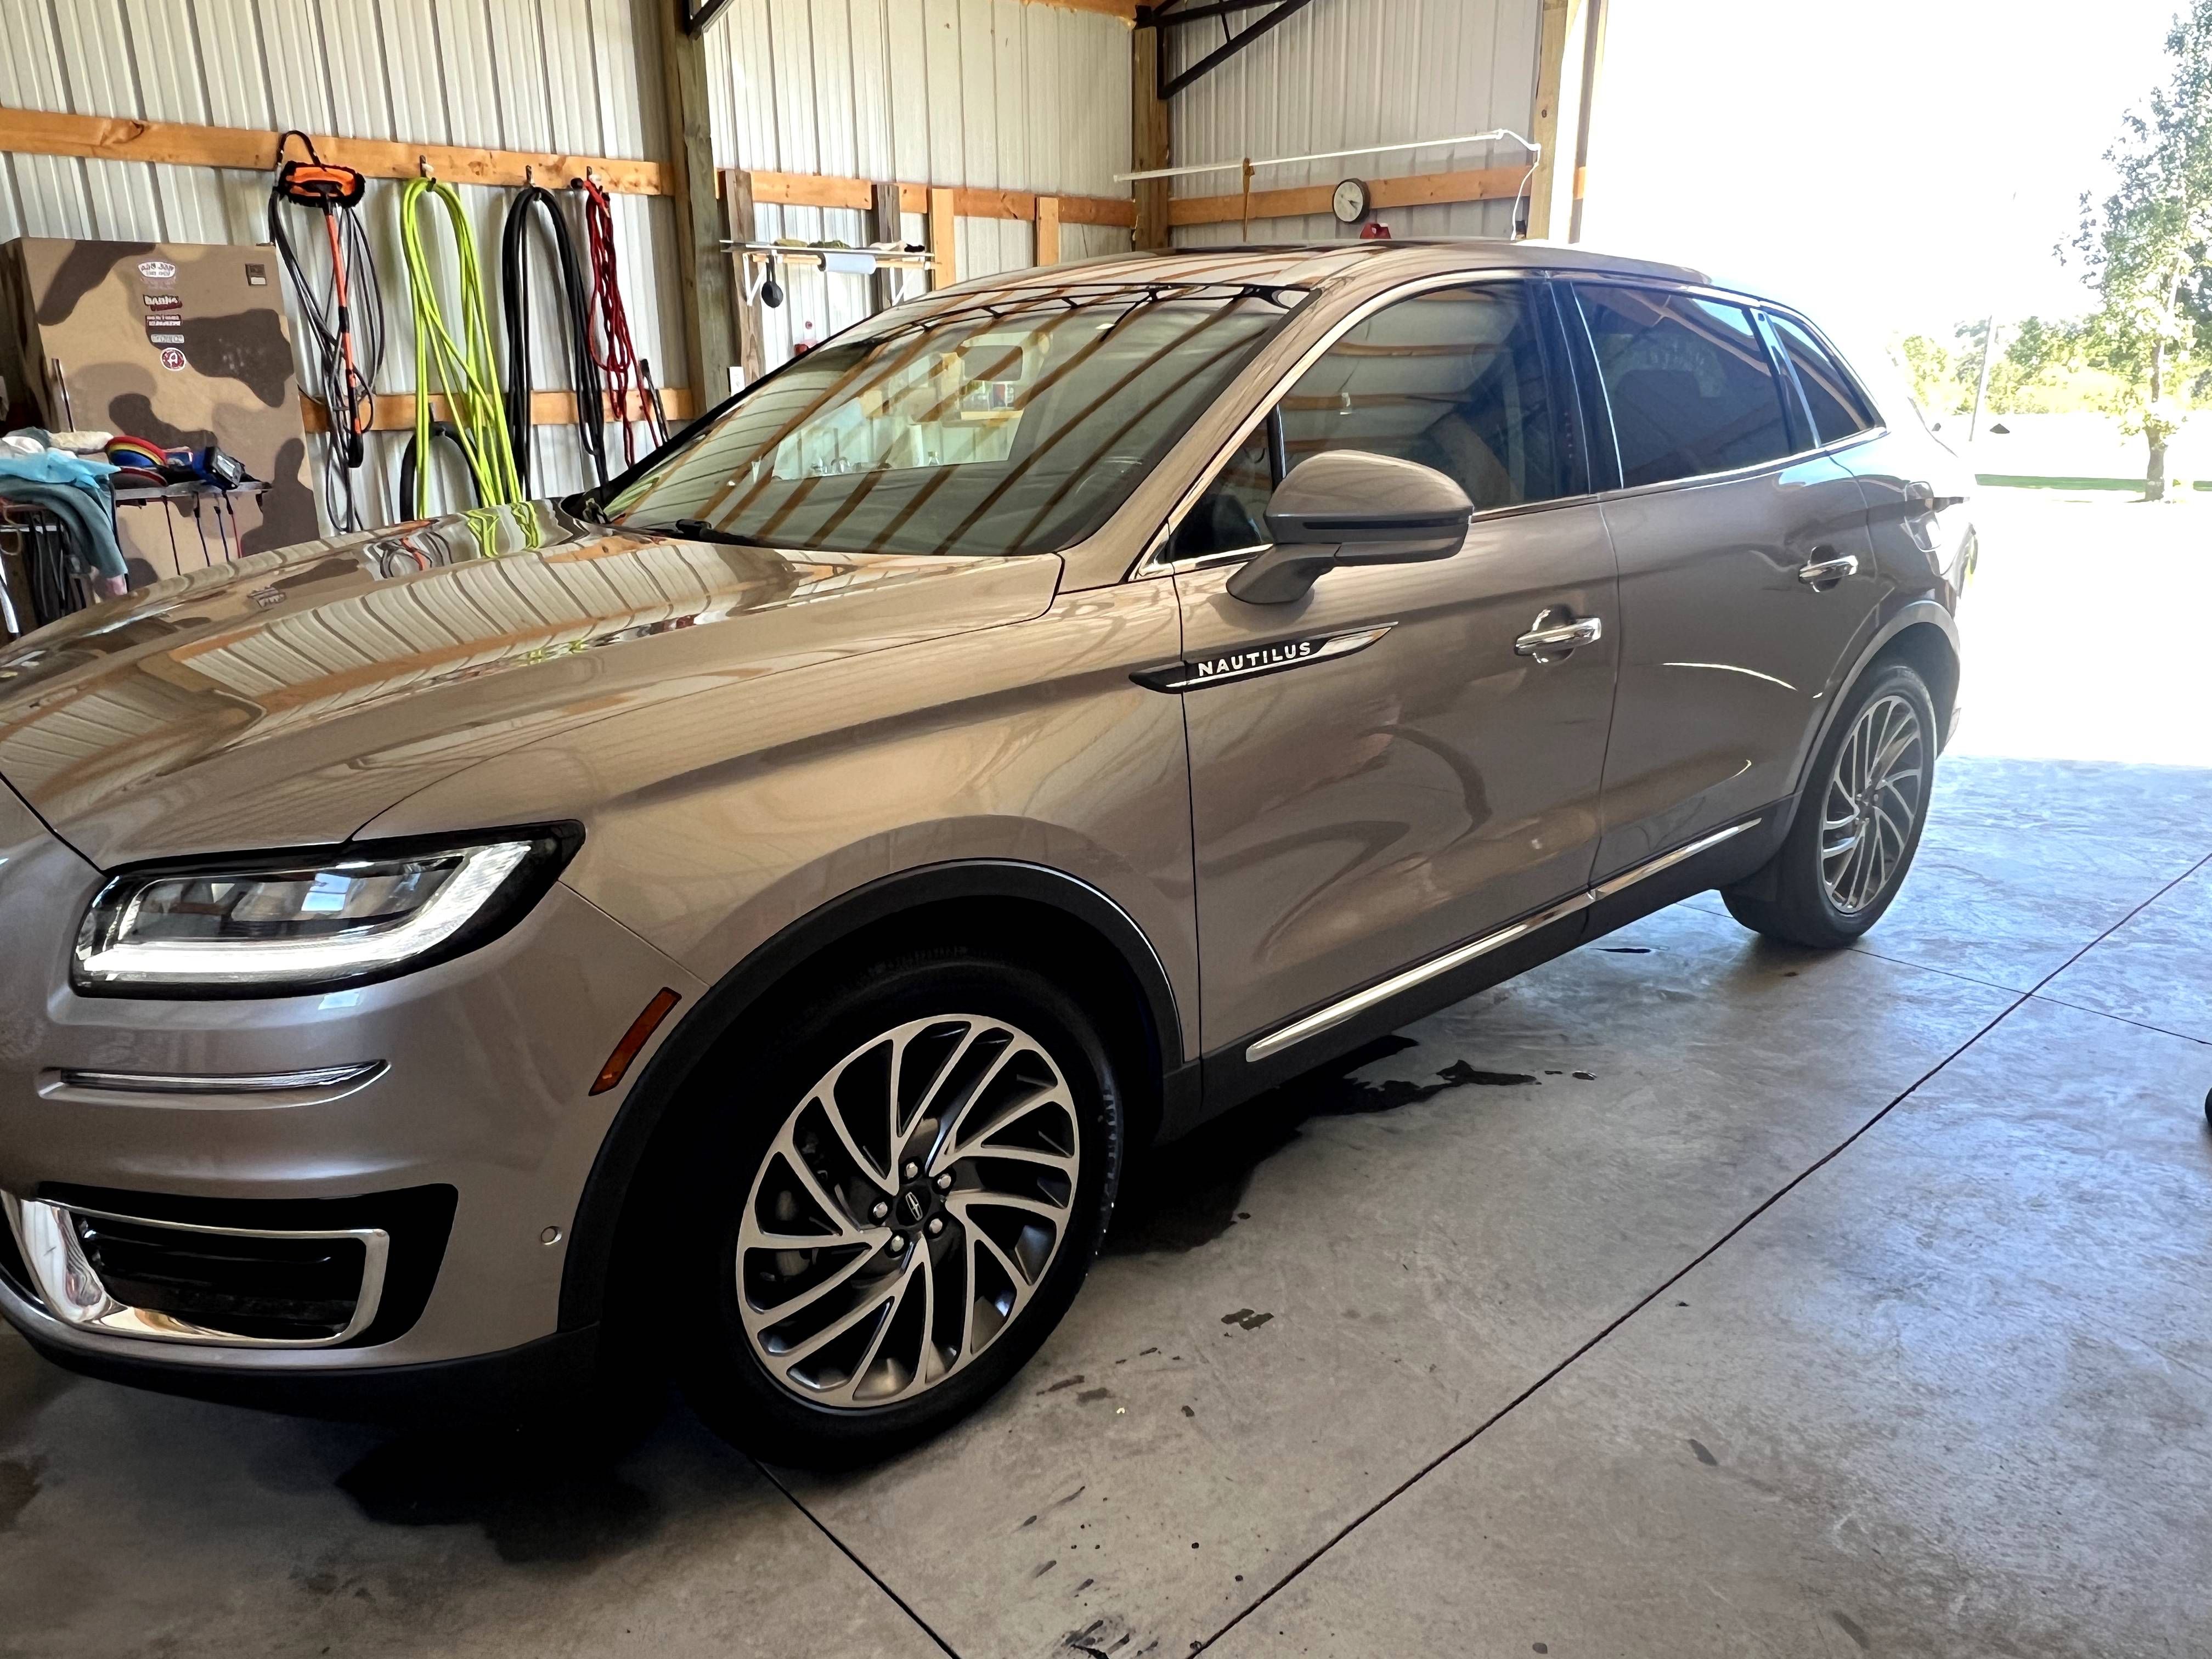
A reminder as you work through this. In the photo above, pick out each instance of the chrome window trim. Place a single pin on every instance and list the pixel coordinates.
(1149, 563)
(70, 1291)
(1753, 302)
(1358, 1002)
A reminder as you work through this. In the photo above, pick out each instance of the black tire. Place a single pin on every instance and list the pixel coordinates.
(773, 1067)
(1788, 898)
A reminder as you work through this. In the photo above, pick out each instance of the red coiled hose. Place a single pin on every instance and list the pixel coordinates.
(611, 344)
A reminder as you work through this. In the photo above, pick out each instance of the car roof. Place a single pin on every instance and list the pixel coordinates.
(1318, 265)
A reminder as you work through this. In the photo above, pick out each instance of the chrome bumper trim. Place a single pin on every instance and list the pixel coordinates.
(1359, 1001)
(244, 1082)
(69, 1285)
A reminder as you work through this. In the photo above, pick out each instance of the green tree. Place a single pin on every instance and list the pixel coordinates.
(2144, 247)
(1927, 364)
(2034, 350)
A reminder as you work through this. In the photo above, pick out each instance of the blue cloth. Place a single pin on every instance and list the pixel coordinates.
(74, 490)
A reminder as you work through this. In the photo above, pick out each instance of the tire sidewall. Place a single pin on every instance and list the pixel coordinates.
(741, 1104)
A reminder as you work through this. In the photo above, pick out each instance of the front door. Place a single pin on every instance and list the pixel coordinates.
(1387, 768)
(1747, 574)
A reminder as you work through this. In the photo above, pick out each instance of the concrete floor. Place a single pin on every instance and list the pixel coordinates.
(1690, 1296)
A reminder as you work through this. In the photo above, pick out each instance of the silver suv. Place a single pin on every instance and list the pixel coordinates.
(748, 916)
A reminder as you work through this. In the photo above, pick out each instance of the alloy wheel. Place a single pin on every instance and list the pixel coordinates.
(907, 1210)
(1872, 803)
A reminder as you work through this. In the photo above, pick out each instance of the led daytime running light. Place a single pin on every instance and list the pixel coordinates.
(482, 871)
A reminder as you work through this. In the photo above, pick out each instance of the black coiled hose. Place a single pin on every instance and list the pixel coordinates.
(575, 317)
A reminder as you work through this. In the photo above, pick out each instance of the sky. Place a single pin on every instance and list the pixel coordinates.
(1893, 166)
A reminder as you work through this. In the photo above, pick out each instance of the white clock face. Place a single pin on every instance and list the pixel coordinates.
(1351, 201)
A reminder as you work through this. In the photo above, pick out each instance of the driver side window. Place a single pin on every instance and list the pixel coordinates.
(1453, 377)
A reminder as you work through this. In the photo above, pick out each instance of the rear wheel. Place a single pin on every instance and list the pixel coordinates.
(886, 1219)
(1859, 823)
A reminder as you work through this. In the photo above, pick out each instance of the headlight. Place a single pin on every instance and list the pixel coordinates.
(277, 926)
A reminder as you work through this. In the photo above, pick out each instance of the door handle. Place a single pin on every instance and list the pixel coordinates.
(1546, 643)
(1823, 574)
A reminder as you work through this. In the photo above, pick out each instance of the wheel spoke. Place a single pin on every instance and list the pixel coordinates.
(869, 1355)
(799, 1305)
(829, 1206)
(949, 1131)
(836, 1327)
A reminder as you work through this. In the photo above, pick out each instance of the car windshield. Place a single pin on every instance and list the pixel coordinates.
(1016, 424)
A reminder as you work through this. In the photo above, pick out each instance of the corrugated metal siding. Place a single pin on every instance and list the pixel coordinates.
(576, 76)
(990, 94)
(1359, 72)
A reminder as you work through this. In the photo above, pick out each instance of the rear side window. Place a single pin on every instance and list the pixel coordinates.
(1839, 410)
(1691, 387)
(1454, 379)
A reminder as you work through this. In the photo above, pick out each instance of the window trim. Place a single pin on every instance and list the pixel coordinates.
(1575, 281)
(1149, 562)
(1767, 314)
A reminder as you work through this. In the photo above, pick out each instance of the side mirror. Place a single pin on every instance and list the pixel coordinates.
(1351, 507)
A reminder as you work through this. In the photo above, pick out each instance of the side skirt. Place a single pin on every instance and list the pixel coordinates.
(1263, 1059)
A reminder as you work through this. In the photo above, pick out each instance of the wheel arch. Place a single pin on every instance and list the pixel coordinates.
(1923, 634)
(1027, 909)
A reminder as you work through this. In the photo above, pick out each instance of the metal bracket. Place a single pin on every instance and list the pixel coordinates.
(698, 19)
(1169, 16)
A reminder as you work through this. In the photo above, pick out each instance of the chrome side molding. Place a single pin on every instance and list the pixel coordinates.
(70, 1287)
(1359, 1001)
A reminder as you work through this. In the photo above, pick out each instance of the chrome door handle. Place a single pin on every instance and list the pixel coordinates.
(1541, 642)
(1823, 573)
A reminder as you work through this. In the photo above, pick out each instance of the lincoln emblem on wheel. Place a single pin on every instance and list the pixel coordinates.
(738, 924)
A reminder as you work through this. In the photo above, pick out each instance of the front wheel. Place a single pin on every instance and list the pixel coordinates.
(893, 1212)
(1858, 823)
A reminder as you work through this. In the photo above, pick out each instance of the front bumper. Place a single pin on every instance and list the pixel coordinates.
(486, 1062)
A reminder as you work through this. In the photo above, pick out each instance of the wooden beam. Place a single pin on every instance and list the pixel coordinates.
(395, 411)
(702, 273)
(943, 250)
(1151, 135)
(1125, 10)
(1412, 190)
(745, 227)
(1559, 16)
(245, 149)
(826, 189)
(1047, 230)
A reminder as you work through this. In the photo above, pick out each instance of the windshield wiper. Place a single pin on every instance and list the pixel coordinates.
(698, 530)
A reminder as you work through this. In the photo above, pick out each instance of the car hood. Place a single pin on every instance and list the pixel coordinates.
(288, 698)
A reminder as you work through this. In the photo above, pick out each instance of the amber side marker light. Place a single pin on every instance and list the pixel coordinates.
(640, 1033)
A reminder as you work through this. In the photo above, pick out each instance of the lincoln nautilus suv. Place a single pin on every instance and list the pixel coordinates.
(747, 918)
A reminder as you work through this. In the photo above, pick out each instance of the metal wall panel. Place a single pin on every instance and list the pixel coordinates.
(577, 76)
(988, 94)
(1346, 72)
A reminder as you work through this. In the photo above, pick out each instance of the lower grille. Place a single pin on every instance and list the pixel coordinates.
(269, 1288)
(316, 1273)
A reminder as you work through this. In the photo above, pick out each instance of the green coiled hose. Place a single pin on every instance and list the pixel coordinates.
(464, 371)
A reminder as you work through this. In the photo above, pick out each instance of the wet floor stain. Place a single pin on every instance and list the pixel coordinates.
(1851, 1627)
(1624, 950)
(1246, 1319)
(1191, 1192)
(1092, 1396)
(1065, 1383)
(19, 1485)
(1704, 1456)
(537, 1504)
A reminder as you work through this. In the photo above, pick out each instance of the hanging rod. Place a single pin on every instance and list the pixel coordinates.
(1331, 155)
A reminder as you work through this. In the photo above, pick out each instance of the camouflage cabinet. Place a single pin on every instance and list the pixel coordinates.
(181, 345)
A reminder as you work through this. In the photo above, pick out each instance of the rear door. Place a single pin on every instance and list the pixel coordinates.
(1380, 770)
(1746, 575)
